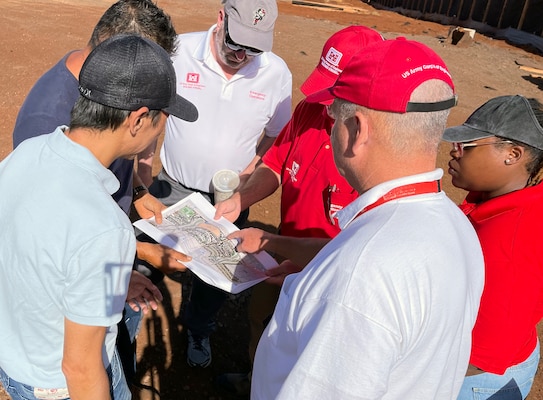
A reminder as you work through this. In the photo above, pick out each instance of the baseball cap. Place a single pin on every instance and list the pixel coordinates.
(384, 75)
(509, 117)
(128, 72)
(336, 53)
(251, 22)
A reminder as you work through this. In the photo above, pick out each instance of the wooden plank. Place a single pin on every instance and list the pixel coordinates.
(314, 4)
(329, 7)
(536, 71)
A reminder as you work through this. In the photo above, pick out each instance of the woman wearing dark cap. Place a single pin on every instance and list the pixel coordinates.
(497, 156)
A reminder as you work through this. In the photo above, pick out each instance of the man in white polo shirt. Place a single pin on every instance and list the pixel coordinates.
(243, 94)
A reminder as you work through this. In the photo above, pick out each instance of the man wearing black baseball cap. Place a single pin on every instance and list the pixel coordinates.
(67, 248)
(48, 104)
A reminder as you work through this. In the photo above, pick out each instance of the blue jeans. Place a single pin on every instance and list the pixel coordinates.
(128, 329)
(514, 384)
(119, 389)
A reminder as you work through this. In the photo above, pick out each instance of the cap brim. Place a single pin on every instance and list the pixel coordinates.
(464, 133)
(244, 36)
(324, 97)
(316, 82)
(182, 108)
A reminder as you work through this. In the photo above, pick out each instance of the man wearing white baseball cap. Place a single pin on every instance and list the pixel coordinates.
(301, 162)
(243, 93)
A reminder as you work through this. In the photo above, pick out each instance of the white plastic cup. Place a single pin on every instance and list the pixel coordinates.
(225, 182)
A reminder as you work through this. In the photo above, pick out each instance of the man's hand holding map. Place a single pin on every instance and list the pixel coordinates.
(188, 226)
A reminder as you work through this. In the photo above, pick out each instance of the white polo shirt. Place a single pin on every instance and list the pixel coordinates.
(232, 113)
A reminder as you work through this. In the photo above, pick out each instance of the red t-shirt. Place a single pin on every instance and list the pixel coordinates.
(511, 235)
(311, 183)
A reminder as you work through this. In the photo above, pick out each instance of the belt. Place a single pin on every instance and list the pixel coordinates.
(186, 187)
(473, 370)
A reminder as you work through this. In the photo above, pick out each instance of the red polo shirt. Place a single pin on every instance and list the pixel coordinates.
(311, 184)
(511, 236)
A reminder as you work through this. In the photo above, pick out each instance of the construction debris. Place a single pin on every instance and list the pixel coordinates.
(462, 37)
(332, 7)
(533, 71)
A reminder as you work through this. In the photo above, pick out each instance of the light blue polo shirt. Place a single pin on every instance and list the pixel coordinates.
(66, 252)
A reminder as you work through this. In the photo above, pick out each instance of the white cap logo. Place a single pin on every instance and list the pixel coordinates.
(331, 61)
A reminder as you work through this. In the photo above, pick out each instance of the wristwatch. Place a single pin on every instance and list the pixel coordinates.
(138, 192)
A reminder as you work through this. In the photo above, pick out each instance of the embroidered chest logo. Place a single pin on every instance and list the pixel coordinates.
(192, 81)
(259, 15)
(293, 171)
(193, 77)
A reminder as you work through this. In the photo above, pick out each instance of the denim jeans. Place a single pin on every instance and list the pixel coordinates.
(514, 384)
(119, 388)
(128, 329)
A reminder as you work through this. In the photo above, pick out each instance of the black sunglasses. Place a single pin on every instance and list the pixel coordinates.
(228, 42)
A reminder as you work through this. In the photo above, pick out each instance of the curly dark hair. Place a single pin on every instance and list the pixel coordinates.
(140, 17)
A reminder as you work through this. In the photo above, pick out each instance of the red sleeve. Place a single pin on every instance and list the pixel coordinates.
(277, 154)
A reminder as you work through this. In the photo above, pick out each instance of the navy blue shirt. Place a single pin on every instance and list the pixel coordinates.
(48, 105)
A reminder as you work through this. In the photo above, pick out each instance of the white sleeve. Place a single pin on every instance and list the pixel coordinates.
(283, 108)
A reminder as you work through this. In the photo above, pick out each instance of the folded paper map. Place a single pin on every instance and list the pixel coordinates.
(188, 226)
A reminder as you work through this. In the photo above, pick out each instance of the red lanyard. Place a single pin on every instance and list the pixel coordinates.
(404, 191)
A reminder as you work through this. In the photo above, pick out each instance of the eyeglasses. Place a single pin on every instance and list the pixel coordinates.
(228, 42)
(459, 147)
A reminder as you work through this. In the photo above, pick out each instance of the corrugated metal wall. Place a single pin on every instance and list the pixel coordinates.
(524, 15)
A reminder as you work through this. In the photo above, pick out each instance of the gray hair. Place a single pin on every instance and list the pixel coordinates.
(421, 131)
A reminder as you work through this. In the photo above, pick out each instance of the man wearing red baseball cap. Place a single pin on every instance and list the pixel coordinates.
(301, 162)
(385, 309)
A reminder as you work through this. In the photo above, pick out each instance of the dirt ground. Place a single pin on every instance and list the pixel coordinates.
(34, 35)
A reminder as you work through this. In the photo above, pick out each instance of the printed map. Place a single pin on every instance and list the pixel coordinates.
(188, 226)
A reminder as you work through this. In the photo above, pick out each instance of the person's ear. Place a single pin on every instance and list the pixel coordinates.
(136, 120)
(358, 131)
(514, 155)
(220, 18)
